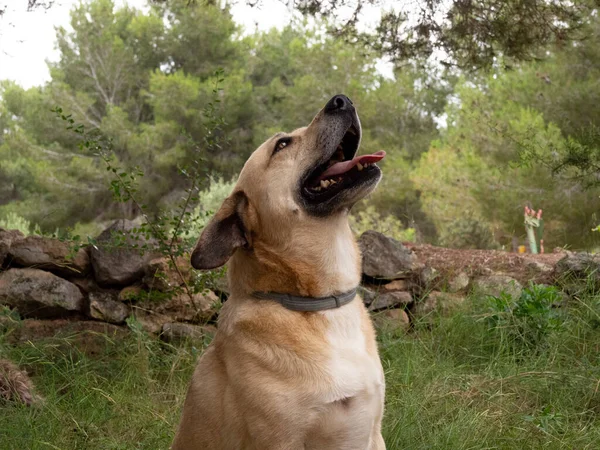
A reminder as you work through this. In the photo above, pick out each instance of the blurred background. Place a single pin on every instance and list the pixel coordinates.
(483, 108)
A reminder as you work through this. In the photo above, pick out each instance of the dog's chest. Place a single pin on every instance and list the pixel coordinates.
(351, 368)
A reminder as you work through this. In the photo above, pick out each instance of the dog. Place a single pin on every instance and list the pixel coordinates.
(294, 364)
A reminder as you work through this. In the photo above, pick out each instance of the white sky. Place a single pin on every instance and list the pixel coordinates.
(27, 39)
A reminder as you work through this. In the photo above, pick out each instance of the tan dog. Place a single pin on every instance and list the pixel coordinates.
(276, 378)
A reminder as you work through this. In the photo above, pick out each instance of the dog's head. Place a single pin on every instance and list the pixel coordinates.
(294, 183)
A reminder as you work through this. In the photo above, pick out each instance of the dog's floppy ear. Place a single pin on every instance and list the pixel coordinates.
(225, 233)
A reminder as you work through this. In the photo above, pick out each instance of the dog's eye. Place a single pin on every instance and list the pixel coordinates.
(281, 144)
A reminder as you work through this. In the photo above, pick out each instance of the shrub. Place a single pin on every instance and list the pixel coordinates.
(12, 221)
(467, 232)
(209, 201)
(370, 219)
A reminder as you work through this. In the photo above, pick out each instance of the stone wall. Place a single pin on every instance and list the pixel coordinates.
(46, 282)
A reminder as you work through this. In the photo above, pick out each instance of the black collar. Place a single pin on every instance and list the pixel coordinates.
(298, 303)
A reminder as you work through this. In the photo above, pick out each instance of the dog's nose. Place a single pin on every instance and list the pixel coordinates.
(338, 103)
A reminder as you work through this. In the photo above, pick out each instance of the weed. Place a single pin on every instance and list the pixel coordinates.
(525, 322)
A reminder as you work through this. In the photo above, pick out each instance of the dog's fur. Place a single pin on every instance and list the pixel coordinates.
(274, 378)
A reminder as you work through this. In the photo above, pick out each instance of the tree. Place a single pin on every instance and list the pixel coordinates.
(471, 173)
(567, 94)
(470, 34)
(104, 79)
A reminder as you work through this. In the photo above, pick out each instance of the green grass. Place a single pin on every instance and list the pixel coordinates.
(473, 380)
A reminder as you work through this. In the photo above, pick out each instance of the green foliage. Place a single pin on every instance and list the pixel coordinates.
(158, 114)
(568, 98)
(526, 322)
(167, 232)
(370, 219)
(145, 82)
(472, 35)
(467, 232)
(209, 201)
(12, 221)
(547, 420)
(475, 165)
(104, 79)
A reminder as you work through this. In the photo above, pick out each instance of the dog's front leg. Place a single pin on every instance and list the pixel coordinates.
(377, 442)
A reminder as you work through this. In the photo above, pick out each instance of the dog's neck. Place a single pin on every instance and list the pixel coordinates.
(322, 263)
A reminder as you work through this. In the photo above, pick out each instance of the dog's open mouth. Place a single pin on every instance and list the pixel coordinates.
(342, 170)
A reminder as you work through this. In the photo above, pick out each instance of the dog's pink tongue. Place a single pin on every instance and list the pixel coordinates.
(345, 166)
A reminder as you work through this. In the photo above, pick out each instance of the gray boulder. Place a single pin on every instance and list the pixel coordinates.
(377, 300)
(442, 302)
(114, 260)
(579, 266)
(496, 284)
(180, 307)
(7, 237)
(162, 275)
(152, 315)
(385, 258)
(429, 277)
(458, 283)
(388, 300)
(35, 293)
(50, 254)
(106, 307)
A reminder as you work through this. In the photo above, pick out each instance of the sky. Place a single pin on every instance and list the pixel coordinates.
(27, 39)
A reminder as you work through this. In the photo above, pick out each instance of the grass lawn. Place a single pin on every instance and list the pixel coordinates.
(495, 374)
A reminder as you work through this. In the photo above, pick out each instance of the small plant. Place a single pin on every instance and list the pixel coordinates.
(525, 322)
(546, 420)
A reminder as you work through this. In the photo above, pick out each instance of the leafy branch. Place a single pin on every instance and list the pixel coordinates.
(167, 229)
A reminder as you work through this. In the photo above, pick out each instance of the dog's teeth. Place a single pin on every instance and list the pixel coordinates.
(360, 167)
(324, 183)
(332, 181)
(318, 189)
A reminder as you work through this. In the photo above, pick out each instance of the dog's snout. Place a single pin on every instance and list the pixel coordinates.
(338, 103)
